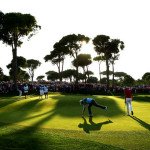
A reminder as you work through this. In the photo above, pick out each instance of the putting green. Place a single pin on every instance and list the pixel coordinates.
(64, 112)
(57, 123)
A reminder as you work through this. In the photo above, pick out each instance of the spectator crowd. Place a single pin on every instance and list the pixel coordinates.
(66, 87)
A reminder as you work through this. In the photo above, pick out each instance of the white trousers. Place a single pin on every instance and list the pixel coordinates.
(129, 105)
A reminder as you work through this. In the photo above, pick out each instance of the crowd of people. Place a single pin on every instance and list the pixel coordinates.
(8, 88)
(66, 87)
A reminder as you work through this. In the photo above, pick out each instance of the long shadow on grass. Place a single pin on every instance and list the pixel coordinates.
(20, 111)
(27, 139)
(141, 98)
(23, 139)
(141, 122)
(4, 101)
(68, 106)
(92, 126)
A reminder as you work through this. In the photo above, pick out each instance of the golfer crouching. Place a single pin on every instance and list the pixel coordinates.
(89, 102)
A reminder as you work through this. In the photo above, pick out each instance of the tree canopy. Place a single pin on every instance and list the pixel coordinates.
(13, 27)
(105, 46)
(32, 64)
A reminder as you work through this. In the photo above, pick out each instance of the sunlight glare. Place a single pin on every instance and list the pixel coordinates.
(87, 48)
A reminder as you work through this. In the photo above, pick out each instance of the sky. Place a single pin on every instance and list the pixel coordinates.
(127, 20)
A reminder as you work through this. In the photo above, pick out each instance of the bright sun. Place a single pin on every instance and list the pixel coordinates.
(87, 48)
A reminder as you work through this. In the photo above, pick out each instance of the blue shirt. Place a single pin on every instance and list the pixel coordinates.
(87, 100)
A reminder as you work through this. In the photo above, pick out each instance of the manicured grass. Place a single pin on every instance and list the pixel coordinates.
(56, 123)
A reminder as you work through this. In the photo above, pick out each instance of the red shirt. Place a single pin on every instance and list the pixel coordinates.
(128, 93)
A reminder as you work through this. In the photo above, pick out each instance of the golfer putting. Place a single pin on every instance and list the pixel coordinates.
(89, 102)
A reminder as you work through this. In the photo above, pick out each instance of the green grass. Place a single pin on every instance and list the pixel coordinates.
(56, 123)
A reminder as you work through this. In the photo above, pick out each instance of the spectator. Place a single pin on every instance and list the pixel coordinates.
(26, 89)
(45, 88)
(41, 91)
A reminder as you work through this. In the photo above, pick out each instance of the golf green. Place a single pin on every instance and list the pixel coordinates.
(60, 115)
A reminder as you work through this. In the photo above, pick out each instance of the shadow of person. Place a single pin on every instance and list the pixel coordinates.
(141, 122)
(92, 126)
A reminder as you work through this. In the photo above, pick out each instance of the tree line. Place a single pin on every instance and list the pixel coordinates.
(15, 26)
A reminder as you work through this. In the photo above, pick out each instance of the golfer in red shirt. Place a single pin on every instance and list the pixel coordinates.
(128, 100)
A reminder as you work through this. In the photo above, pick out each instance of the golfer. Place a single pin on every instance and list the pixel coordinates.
(89, 102)
(128, 100)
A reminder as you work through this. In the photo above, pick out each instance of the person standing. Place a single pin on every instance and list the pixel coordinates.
(25, 89)
(41, 91)
(89, 102)
(128, 100)
(45, 91)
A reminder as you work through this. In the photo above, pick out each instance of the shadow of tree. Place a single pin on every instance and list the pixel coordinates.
(141, 122)
(27, 139)
(67, 106)
(20, 111)
(141, 98)
(70, 107)
(4, 101)
(24, 139)
(92, 126)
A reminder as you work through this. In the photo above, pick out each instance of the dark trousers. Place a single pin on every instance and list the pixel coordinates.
(94, 103)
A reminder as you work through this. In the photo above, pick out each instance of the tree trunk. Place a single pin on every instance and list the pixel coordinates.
(32, 73)
(32, 78)
(77, 75)
(84, 74)
(62, 68)
(113, 76)
(99, 73)
(58, 66)
(70, 79)
(77, 70)
(107, 70)
(87, 72)
(14, 67)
